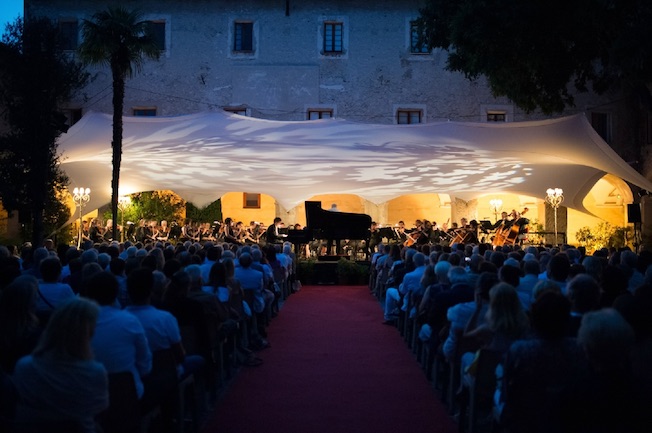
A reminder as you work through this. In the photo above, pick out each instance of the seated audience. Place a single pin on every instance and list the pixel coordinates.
(61, 387)
(119, 341)
(537, 370)
(19, 326)
(51, 293)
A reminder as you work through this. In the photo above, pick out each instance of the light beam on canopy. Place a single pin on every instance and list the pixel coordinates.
(203, 156)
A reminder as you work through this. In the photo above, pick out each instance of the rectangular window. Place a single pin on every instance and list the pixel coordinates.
(250, 200)
(496, 116)
(157, 33)
(320, 114)
(333, 37)
(418, 43)
(601, 122)
(144, 111)
(242, 111)
(407, 117)
(243, 37)
(69, 35)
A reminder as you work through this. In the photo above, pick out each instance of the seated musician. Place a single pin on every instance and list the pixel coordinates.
(163, 232)
(175, 231)
(187, 231)
(230, 234)
(273, 235)
(436, 234)
(413, 235)
(374, 237)
(95, 231)
(153, 231)
(504, 220)
(108, 231)
(426, 233)
(250, 234)
(472, 233)
(400, 232)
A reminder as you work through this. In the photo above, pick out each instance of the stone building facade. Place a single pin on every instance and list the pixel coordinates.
(298, 60)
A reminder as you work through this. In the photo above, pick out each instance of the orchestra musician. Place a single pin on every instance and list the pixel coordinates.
(273, 234)
(175, 231)
(163, 232)
(229, 231)
(205, 232)
(414, 235)
(187, 231)
(374, 237)
(95, 231)
(152, 231)
(399, 231)
(85, 236)
(251, 233)
(107, 231)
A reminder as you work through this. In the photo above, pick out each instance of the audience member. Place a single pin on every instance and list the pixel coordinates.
(61, 387)
(119, 341)
(19, 326)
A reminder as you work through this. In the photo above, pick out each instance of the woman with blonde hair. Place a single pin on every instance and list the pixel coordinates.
(61, 387)
(506, 320)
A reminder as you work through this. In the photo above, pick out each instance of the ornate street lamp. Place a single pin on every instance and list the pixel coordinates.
(80, 196)
(554, 197)
(496, 206)
(123, 203)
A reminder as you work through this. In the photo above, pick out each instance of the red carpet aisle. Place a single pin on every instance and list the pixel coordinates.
(332, 368)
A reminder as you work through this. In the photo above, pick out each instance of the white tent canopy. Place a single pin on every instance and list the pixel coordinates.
(203, 156)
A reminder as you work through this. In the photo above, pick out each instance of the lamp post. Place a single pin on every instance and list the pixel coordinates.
(80, 196)
(554, 197)
(123, 203)
(496, 206)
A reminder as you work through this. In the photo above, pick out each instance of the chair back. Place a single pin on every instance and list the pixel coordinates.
(161, 383)
(123, 413)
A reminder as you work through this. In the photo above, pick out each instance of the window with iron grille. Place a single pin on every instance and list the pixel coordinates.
(496, 116)
(333, 37)
(406, 117)
(418, 43)
(321, 113)
(69, 34)
(243, 37)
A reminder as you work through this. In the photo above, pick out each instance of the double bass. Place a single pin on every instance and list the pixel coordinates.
(509, 235)
(515, 229)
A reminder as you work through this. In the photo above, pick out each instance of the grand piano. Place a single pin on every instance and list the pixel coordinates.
(332, 226)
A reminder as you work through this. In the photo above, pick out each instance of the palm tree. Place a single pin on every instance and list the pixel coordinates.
(120, 39)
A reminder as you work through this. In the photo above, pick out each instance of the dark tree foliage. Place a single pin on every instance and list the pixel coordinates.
(207, 214)
(539, 52)
(36, 78)
(151, 205)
